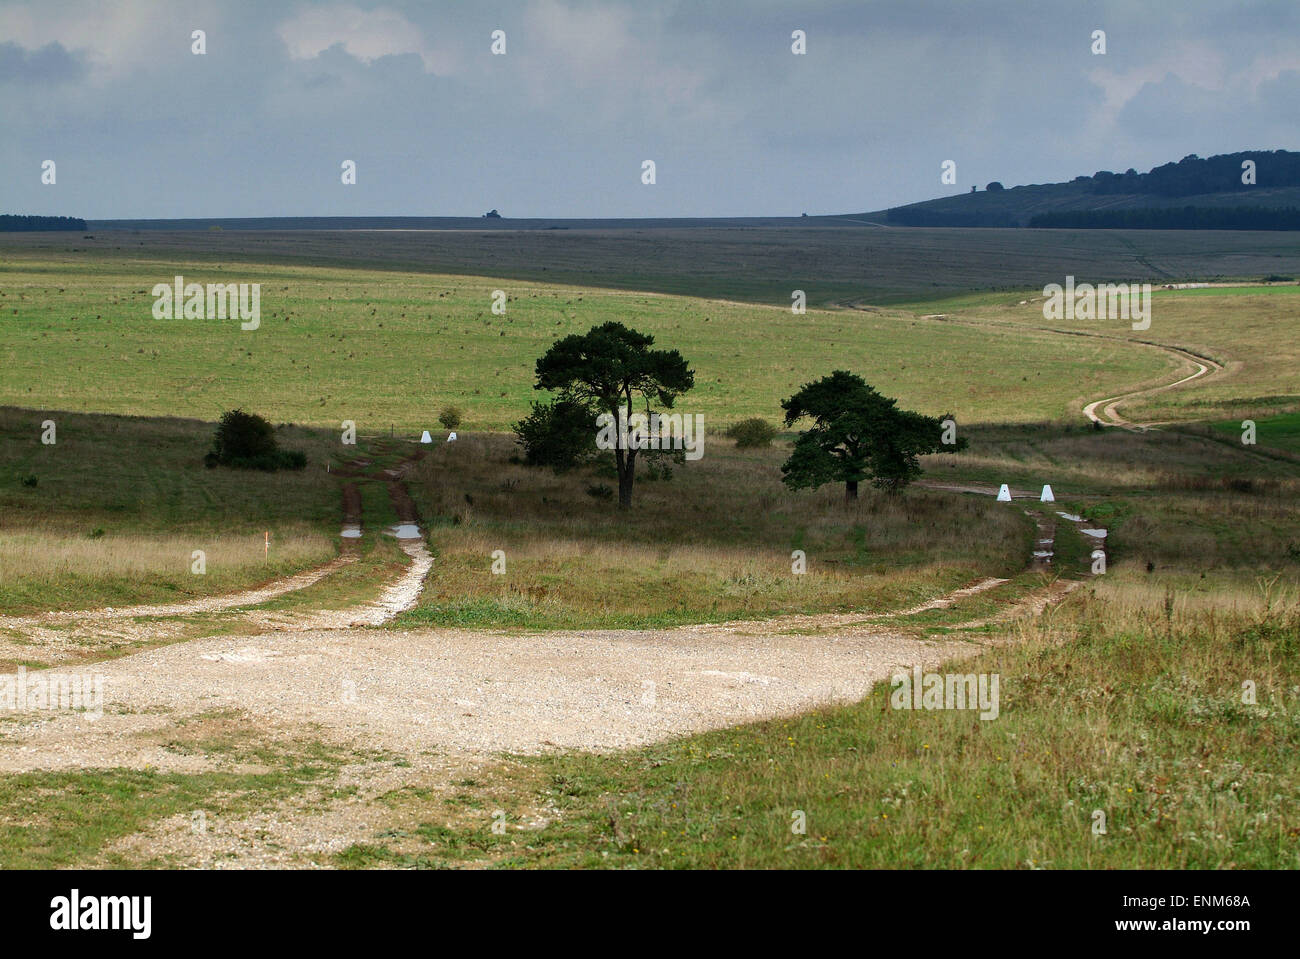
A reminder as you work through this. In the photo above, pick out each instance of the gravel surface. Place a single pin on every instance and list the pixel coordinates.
(416, 708)
(466, 691)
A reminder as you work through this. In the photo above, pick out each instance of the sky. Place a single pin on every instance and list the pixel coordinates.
(559, 125)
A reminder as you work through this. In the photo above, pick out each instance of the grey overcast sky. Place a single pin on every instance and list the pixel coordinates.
(736, 123)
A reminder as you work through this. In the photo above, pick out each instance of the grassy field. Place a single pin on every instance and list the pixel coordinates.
(1126, 698)
(389, 350)
(831, 265)
(1281, 431)
(112, 512)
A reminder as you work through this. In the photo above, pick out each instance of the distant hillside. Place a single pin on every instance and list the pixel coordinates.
(1193, 193)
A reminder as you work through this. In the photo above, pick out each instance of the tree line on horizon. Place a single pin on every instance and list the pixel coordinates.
(18, 223)
(1193, 176)
(1190, 176)
(1174, 218)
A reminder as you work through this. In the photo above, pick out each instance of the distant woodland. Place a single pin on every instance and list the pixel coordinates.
(10, 223)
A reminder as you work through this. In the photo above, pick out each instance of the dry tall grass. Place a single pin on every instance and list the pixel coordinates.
(714, 541)
(48, 567)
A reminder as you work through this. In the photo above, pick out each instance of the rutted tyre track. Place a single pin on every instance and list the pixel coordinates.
(1204, 366)
(396, 597)
(60, 636)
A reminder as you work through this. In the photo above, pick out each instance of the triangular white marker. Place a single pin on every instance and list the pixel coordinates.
(451, 438)
(426, 438)
(1047, 494)
(1004, 494)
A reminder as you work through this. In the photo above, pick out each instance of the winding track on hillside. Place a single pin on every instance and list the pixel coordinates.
(1109, 415)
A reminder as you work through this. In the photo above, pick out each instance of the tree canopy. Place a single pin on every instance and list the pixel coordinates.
(857, 434)
(612, 369)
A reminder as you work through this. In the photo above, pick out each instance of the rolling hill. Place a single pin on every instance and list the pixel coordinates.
(1208, 186)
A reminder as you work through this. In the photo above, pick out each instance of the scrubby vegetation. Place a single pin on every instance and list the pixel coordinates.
(752, 433)
(247, 441)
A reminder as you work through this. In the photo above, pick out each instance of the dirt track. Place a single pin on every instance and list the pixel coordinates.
(1109, 406)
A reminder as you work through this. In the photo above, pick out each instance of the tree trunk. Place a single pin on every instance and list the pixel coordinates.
(626, 475)
(624, 491)
(850, 491)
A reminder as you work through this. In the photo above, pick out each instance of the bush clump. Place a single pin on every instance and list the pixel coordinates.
(450, 417)
(247, 441)
(560, 434)
(752, 433)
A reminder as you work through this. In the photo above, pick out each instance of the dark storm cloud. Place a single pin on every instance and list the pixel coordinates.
(558, 126)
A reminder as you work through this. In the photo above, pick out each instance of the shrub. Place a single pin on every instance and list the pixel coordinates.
(247, 441)
(560, 434)
(450, 417)
(752, 433)
(29, 481)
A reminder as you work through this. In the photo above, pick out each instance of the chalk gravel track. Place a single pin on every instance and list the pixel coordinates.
(448, 703)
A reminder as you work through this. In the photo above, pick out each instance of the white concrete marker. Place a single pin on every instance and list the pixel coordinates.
(1004, 494)
(1047, 495)
(451, 438)
(426, 438)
